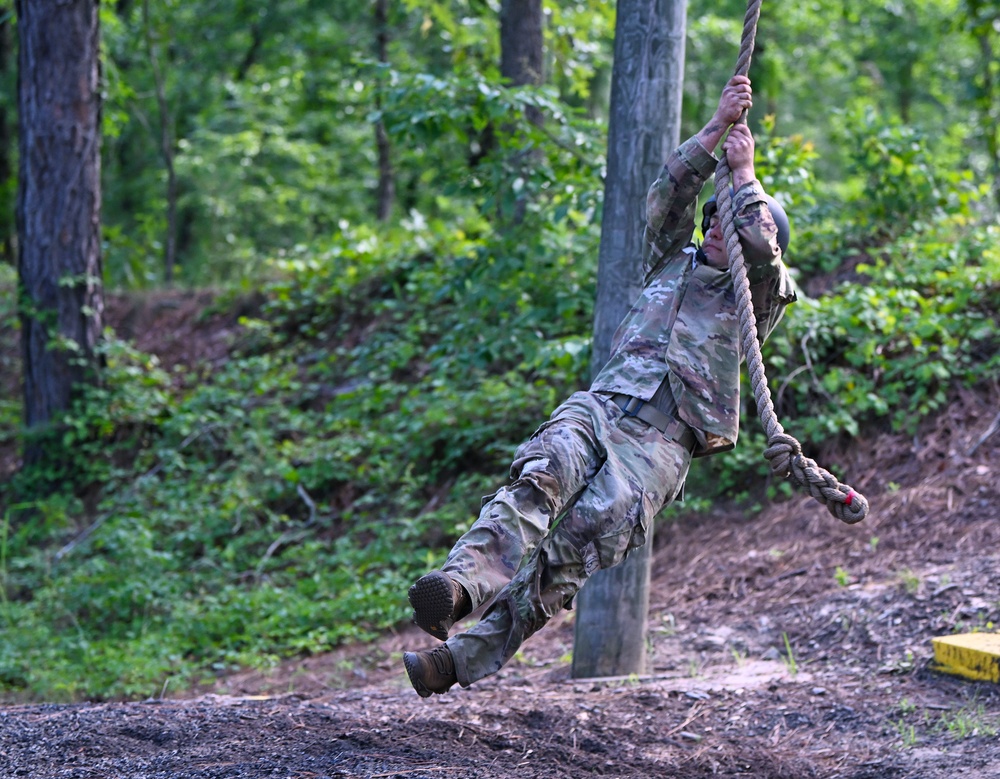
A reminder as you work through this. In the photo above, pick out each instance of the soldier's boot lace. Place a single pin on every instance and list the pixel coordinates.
(438, 601)
(431, 671)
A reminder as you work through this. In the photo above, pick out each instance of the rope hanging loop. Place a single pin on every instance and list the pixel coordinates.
(784, 452)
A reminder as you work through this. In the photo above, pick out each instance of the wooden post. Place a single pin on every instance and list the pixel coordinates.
(610, 633)
(644, 128)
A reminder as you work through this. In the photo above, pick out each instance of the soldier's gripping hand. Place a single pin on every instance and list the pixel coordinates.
(739, 149)
(737, 97)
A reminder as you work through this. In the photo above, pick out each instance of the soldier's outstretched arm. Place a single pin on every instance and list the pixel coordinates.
(671, 200)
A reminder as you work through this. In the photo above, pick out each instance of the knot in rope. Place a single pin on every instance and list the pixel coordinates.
(783, 453)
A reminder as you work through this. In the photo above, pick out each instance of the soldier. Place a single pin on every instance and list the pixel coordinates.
(589, 481)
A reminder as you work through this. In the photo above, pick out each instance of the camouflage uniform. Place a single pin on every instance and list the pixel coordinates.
(684, 326)
(589, 481)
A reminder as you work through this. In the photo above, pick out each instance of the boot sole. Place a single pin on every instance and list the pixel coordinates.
(433, 601)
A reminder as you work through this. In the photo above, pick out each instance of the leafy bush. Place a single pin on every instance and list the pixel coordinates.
(890, 347)
(283, 503)
(903, 190)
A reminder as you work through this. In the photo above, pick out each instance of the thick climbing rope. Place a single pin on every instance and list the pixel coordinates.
(783, 453)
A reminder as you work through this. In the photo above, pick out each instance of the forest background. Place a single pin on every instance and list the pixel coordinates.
(350, 181)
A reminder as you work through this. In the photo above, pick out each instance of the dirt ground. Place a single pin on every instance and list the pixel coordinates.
(782, 644)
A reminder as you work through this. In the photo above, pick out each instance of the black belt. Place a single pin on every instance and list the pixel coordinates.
(672, 428)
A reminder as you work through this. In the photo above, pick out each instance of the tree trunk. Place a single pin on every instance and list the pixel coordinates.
(522, 50)
(386, 194)
(521, 46)
(6, 145)
(166, 148)
(982, 21)
(256, 42)
(988, 108)
(644, 127)
(58, 203)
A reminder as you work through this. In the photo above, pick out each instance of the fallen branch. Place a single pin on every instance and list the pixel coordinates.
(994, 426)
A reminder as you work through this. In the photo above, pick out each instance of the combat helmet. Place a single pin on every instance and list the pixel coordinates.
(777, 214)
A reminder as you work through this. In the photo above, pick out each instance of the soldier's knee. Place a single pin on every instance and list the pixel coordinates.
(536, 490)
(606, 524)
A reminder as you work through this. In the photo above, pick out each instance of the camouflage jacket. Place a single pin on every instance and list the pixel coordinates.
(684, 326)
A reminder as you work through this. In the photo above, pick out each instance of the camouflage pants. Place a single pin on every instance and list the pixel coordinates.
(584, 489)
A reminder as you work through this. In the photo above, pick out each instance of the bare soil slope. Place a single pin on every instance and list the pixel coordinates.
(782, 645)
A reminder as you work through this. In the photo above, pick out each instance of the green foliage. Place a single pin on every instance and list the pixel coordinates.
(272, 110)
(283, 503)
(211, 551)
(904, 187)
(269, 106)
(890, 347)
(784, 166)
(789, 658)
(109, 422)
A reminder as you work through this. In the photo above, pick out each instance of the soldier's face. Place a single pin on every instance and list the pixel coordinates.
(714, 247)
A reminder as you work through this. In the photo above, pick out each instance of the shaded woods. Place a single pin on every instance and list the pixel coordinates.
(349, 261)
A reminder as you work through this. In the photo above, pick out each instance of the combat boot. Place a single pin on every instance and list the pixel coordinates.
(438, 601)
(431, 671)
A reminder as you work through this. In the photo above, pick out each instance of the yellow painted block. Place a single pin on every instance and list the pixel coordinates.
(972, 655)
